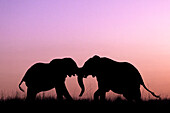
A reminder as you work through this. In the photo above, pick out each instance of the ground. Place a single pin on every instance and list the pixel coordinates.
(84, 105)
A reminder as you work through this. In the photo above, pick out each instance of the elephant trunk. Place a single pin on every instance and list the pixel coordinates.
(80, 81)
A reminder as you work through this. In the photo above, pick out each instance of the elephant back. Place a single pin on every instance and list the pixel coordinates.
(36, 72)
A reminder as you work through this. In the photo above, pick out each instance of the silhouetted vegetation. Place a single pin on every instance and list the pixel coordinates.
(51, 103)
(52, 100)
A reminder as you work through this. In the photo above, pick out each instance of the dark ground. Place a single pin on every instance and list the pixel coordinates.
(51, 104)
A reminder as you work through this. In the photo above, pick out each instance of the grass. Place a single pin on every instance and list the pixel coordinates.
(49, 102)
(52, 100)
(118, 104)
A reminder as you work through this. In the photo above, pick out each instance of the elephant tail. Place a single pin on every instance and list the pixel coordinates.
(20, 85)
(157, 96)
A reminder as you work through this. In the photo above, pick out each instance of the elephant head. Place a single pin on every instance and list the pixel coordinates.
(67, 66)
(90, 67)
(71, 69)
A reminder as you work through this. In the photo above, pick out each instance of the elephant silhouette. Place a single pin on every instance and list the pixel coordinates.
(45, 76)
(120, 77)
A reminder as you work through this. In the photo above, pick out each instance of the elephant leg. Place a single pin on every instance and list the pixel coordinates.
(137, 95)
(66, 93)
(31, 94)
(99, 93)
(96, 95)
(129, 98)
(59, 94)
(133, 94)
(128, 94)
(102, 96)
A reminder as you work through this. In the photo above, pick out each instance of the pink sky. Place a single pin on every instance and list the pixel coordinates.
(137, 31)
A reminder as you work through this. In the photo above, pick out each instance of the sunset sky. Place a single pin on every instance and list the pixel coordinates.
(137, 31)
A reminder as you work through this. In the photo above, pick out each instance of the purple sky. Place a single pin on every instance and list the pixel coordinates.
(137, 31)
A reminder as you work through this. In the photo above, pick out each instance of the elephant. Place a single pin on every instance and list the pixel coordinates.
(45, 76)
(119, 77)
